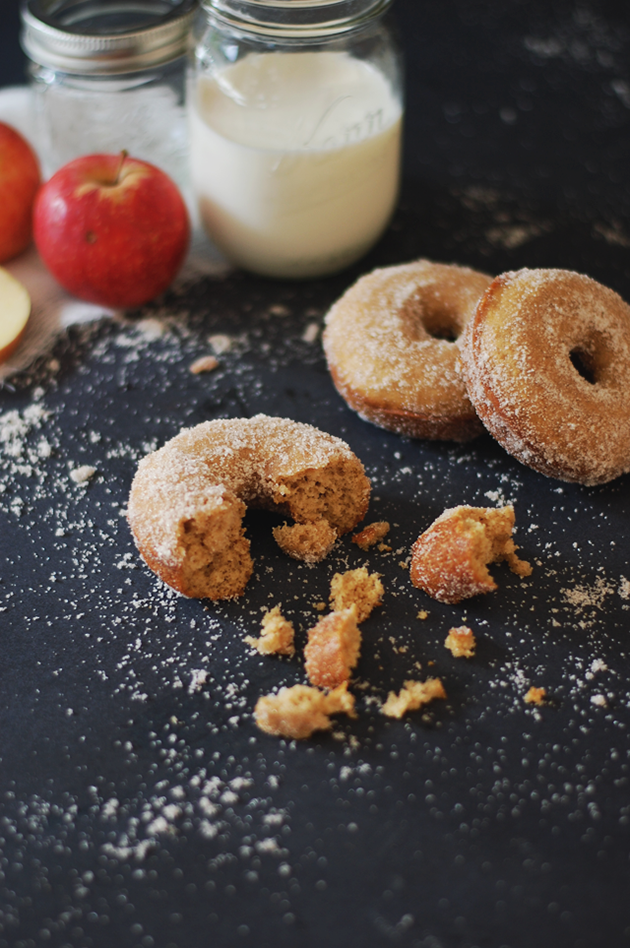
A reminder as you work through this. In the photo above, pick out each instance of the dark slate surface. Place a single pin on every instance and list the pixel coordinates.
(140, 806)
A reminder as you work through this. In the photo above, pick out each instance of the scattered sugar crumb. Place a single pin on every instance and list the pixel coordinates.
(204, 364)
(311, 332)
(496, 496)
(597, 665)
(583, 597)
(198, 678)
(220, 343)
(81, 475)
(151, 328)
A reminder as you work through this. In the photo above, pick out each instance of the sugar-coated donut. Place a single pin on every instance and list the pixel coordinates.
(389, 343)
(188, 498)
(546, 360)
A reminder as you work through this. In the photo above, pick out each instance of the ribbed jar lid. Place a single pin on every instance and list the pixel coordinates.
(105, 37)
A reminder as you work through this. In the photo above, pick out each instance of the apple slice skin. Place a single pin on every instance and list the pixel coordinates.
(112, 229)
(19, 181)
(15, 309)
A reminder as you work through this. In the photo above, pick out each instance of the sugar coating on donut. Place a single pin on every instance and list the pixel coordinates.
(391, 350)
(188, 499)
(356, 587)
(310, 542)
(449, 560)
(276, 637)
(333, 648)
(546, 360)
(298, 711)
(413, 695)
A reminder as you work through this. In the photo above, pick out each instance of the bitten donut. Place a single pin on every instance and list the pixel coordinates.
(188, 498)
(390, 343)
(546, 360)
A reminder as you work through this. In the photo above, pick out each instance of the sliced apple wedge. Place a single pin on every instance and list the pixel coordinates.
(15, 308)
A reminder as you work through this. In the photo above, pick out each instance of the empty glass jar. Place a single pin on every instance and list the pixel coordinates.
(109, 75)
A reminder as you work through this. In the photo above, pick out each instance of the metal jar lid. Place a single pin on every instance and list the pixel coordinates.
(105, 37)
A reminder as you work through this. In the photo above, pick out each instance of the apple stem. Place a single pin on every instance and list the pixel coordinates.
(123, 155)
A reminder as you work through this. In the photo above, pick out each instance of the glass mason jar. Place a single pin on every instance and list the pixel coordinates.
(109, 75)
(295, 115)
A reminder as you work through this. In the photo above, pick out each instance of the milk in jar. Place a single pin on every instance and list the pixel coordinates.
(295, 159)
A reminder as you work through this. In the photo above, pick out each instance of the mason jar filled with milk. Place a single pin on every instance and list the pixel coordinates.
(295, 114)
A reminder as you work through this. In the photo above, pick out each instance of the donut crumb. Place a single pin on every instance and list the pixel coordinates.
(371, 534)
(309, 542)
(449, 560)
(298, 711)
(204, 364)
(277, 635)
(412, 696)
(333, 648)
(535, 696)
(461, 642)
(356, 587)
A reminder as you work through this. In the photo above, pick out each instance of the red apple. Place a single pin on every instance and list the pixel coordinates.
(19, 181)
(112, 229)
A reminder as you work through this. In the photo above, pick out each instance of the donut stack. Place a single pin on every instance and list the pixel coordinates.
(540, 358)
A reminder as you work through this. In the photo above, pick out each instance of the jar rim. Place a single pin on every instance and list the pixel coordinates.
(58, 43)
(295, 18)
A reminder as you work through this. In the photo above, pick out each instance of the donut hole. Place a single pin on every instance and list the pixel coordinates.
(595, 358)
(426, 312)
(584, 364)
(440, 322)
(441, 326)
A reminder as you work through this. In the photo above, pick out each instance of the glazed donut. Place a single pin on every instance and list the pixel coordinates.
(188, 498)
(388, 343)
(546, 360)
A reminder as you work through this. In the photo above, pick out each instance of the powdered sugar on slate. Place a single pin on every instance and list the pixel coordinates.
(165, 688)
